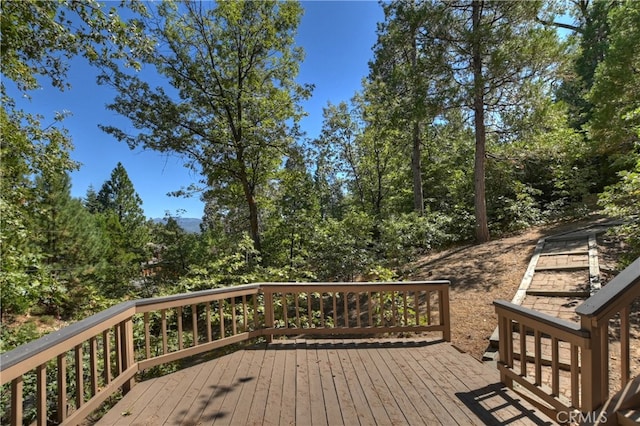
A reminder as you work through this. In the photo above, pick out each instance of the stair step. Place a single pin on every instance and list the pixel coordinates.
(559, 293)
(576, 252)
(628, 417)
(562, 268)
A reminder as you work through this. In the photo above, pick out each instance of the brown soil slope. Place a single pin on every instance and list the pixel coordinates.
(480, 274)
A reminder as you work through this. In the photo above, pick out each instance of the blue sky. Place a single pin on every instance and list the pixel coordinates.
(337, 37)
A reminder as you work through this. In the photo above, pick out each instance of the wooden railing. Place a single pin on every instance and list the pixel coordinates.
(564, 363)
(66, 375)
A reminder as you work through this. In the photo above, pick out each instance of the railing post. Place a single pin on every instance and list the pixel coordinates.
(126, 351)
(445, 316)
(268, 313)
(592, 367)
(17, 386)
(504, 348)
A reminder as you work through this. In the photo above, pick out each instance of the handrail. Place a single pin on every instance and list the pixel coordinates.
(103, 353)
(41, 347)
(586, 342)
(603, 305)
(524, 333)
(563, 329)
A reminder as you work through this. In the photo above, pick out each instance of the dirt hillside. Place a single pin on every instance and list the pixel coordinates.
(480, 274)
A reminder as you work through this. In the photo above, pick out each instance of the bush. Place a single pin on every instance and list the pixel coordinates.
(403, 237)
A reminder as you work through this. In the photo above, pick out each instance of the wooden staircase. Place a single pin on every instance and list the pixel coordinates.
(554, 337)
(622, 409)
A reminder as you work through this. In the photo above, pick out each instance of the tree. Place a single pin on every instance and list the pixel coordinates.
(124, 225)
(590, 35)
(231, 67)
(119, 196)
(498, 58)
(409, 77)
(293, 216)
(71, 244)
(616, 91)
(39, 37)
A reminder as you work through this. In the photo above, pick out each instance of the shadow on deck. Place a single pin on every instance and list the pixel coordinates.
(330, 382)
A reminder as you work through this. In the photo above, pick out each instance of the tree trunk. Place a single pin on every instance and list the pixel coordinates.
(253, 222)
(253, 212)
(416, 169)
(480, 202)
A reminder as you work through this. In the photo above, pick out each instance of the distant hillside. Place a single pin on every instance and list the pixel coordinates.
(189, 224)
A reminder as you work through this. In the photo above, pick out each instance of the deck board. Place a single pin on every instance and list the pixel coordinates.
(329, 382)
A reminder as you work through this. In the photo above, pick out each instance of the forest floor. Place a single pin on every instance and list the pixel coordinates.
(480, 274)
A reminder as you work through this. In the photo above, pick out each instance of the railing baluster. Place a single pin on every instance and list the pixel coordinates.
(604, 355)
(624, 346)
(79, 377)
(523, 351)
(93, 361)
(381, 314)
(309, 311)
(404, 304)
(370, 303)
(41, 394)
(429, 308)
(346, 309)
(17, 386)
(106, 349)
(575, 377)
(321, 310)
(194, 322)
(207, 318)
(234, 325)
(357, 294)
(62, 387)
(555, 367)
(297, 302)
(118, 349)
(221, 313)
(245, 320)
(256, 320)
(284, 311)
(537, 335)
(416, 301)
(165, 342)
(179, 317)
(394, 308)
(147, 336)
(335, 311)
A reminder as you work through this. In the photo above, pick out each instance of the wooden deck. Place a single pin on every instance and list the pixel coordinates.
(329, 382)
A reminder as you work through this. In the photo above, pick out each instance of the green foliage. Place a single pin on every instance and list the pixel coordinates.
(342, 249)
(233, 66)
(38, 38)
(613, 124)
(405, 236)
(623, 200)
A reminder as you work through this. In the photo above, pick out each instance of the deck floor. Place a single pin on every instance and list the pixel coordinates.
(329, 382)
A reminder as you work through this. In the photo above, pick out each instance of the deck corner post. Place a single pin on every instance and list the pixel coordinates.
(591, 368)
(445, 316)
(127, 351)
